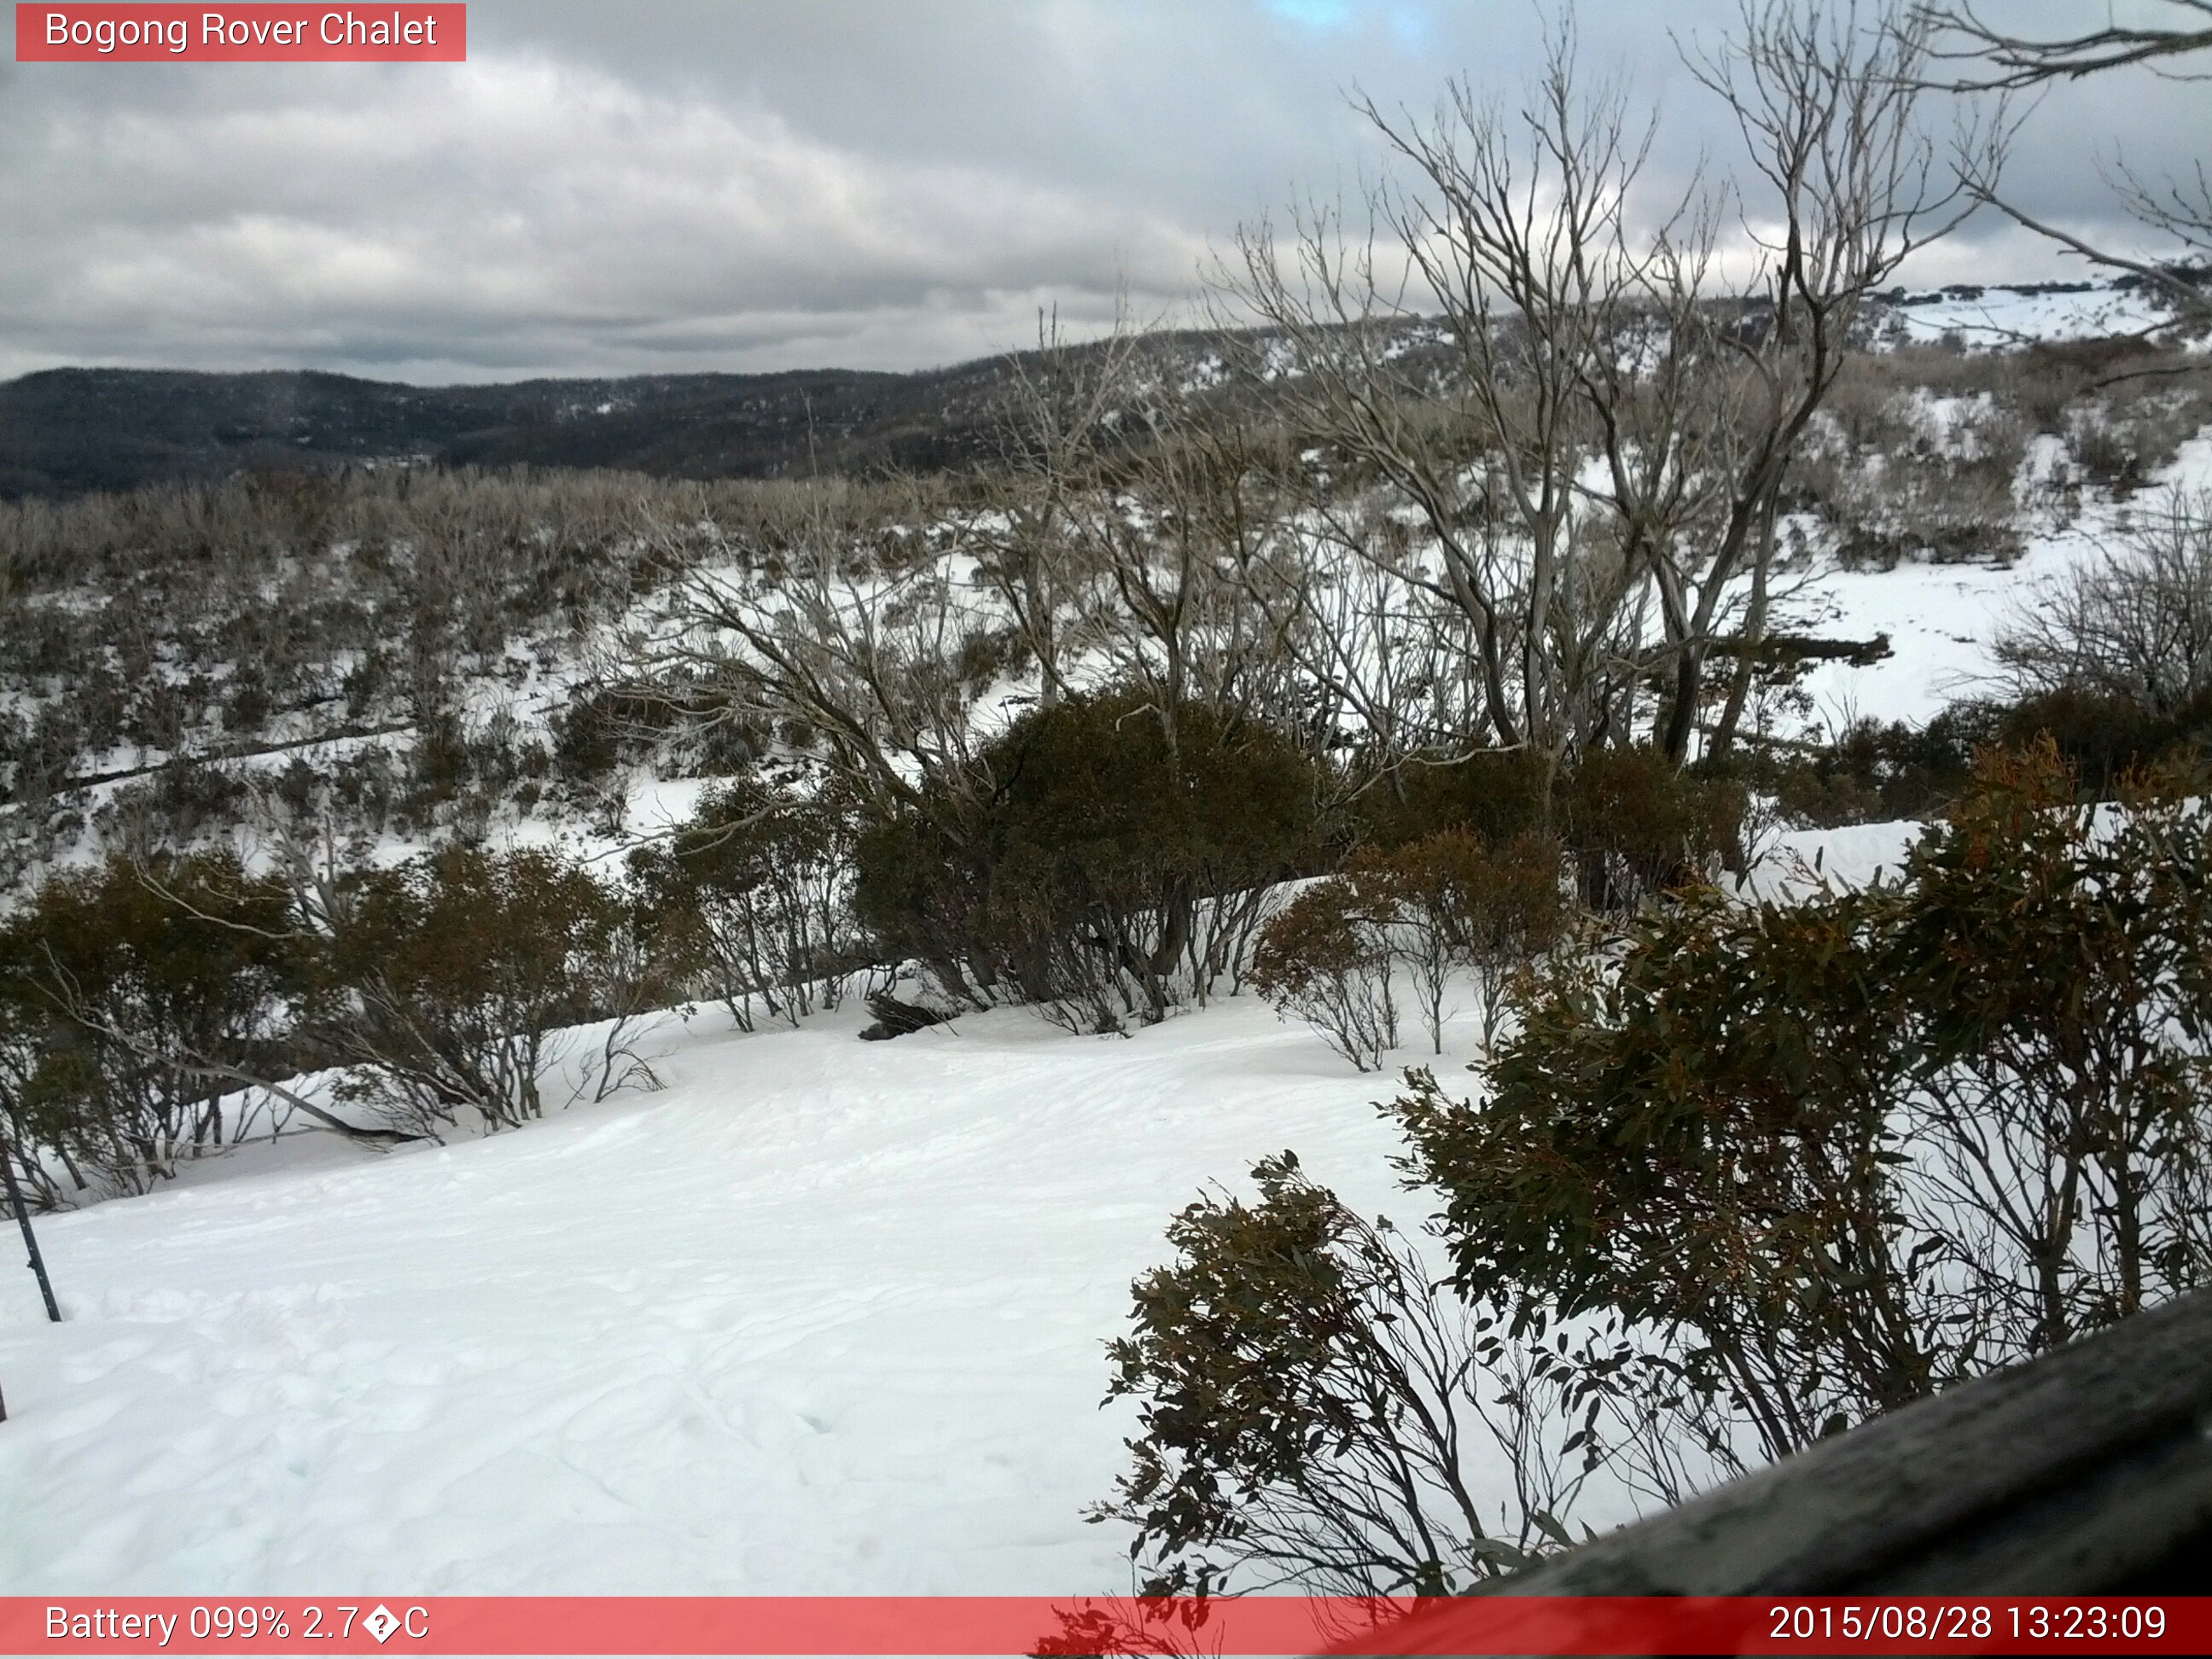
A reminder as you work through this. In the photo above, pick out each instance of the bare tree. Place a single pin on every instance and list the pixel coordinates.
(1175, 534)
(1066, 407)
(1846, 183)
(1565, 389)
(1455, 386)
(1378, 657)
(2135, 623)
(2018, 62)
(832, 623)
(2178, 209)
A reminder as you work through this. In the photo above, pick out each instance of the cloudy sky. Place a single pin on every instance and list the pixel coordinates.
(665, 185)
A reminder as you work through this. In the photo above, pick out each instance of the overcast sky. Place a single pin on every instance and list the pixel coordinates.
(669, 186)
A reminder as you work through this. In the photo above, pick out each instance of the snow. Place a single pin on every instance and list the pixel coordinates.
(819, 1316)
(2009, 316)
(1941, 619)
(1801, 862)
(822, 1316)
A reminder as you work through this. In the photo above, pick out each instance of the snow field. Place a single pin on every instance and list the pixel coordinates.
(822, 1316)
(1942, 619)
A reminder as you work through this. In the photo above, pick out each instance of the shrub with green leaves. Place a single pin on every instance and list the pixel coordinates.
(1749, 1174)
(1312, 1412)
(133, 998)
(1852, 1148)
(448, 984)
(1493, 794)
(1449, 908)
(753, 897)
(1107, 864)
(1637, 827)
(1470, 912)
(1325, 958)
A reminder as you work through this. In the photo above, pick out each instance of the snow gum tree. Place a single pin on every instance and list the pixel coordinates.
(755, 894)
(1581, 404)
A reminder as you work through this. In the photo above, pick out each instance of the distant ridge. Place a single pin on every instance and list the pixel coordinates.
(65, 431)
(68, 430)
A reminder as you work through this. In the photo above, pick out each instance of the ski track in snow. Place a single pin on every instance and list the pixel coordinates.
(820, 1317)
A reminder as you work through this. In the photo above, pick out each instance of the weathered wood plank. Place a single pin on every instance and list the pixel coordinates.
(2089, 1470)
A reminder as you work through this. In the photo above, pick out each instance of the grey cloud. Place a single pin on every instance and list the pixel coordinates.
(768, 184)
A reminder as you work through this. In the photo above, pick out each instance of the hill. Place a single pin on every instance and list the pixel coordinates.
(66, 431)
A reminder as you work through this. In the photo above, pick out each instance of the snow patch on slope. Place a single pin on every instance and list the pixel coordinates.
(1942, 619)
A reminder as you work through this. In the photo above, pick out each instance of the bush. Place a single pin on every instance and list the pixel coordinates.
(753, 898)
(448, 984)
(1442, 906)
(1091, 865)
(1841, 1153)
(1463, 907)
(2058, 958)
(1901, 475)
(2135, 625)
(608, 727)
(1637, 827)
(1494, 794)
(1309, 1406)
(2106, 739)
(1325, 958)
(135, 999)
(2121, 443)
(1875, 771)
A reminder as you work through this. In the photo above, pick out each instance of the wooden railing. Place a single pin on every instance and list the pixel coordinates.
(2086, 1471)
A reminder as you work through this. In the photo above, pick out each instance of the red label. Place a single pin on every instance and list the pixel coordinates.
(112, 34)
(1813, 1625)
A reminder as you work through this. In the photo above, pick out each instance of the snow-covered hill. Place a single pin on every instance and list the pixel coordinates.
(1941, 619)
(818, 1316)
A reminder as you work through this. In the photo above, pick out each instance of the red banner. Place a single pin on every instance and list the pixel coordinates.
(220, 34)
(1020, 1625)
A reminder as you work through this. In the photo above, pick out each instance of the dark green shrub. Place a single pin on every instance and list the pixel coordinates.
(1637, 827)
(138, 999)
(754, 897)
(1325, 958)
(1446, 908)
(1095, 867)
(2104, 738)
(1876, 771)
(1484, 912)
(448, 984)
(1872, 771)
(1308, 1405)
(1844, 1150)
(1495, 794)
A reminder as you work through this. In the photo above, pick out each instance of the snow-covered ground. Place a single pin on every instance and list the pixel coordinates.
(821, 1317)
(1942, 618)
(2004, 316)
